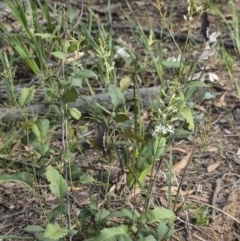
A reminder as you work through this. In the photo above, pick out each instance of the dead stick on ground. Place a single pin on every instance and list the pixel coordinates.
(146, 96)
(214, 199)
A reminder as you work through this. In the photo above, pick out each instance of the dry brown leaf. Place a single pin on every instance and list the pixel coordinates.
(221, 102)
(213, 166)
(176, 149)
(134, 193)
(179, 166)
(200, 108)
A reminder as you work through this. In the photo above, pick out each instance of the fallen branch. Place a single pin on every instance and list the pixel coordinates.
(146, 96)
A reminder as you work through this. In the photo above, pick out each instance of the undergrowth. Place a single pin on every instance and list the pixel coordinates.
(67, 63)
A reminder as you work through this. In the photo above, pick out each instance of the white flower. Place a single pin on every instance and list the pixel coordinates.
(121, 52)
(161, 129)
(213, 37)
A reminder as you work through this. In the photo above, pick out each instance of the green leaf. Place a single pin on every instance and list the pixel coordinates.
(87, 213)
(171, 64)
(20, 177)
(121, 117)
(40, 129)
(44, 35)
(33, 228)
(112, 234)
(43, 126)
(70, 95)
(59, 55)
(125, 83)
(181, 133)
(75, 113)
(158, 147)
(144, 154)
(148, 238)
(132, 135)
(58, 185)
(54, 231)
(116, 95)
(102, 215)
(160, 214)
(85, 74)
(86, 178)
(56, 212)
(28, 138)
(42, 148)
(26, 96)
(126, 213)
(40, 237)
(164, 231)
(186, 113)
(36, 131)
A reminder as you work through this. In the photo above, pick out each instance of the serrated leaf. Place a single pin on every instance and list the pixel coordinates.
(26, 96)
(115, 94)
(54, 231)
(58, 185)
(125, 83)
(160, 214)
(20, 177)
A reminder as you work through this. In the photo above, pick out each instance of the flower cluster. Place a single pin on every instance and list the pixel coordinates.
(161, 129)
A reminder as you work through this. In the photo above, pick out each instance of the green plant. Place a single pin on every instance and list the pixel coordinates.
(202, 215)
(138, 228)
